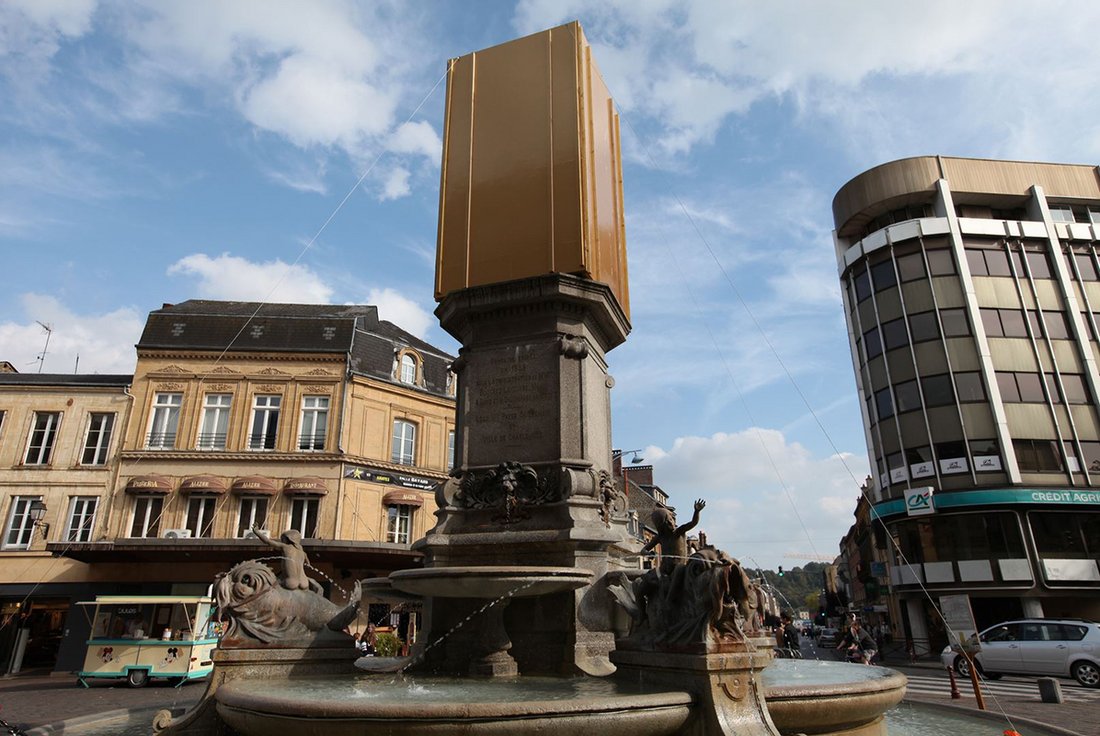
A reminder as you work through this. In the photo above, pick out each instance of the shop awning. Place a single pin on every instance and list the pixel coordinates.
(204, 484)
(255, 484)
(403, 498)
(149, 484)
(307, 485)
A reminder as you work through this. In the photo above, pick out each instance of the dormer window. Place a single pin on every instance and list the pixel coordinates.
(408, 369)
(452, 382)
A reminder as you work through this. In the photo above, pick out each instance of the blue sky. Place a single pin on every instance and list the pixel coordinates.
(153, 152)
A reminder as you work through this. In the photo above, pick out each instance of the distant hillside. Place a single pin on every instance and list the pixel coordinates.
(796, 585)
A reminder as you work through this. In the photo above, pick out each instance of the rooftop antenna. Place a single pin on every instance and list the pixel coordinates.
(46, 347)
(76, 368)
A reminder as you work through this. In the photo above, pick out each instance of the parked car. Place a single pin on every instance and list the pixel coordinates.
(1060, 647)
(828, 638)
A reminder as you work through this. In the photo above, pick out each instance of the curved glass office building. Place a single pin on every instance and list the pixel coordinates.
(972, 295)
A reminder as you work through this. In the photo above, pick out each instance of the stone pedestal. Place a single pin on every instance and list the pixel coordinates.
(533, 452)
(730, 698)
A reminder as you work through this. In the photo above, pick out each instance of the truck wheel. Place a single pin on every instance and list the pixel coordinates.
(138, 678)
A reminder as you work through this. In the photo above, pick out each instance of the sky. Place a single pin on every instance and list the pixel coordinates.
(154, 152)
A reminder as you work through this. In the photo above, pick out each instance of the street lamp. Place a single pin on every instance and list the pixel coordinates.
(37, 511)
(617, 455)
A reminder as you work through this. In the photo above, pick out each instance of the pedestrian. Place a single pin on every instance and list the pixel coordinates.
(788, 637)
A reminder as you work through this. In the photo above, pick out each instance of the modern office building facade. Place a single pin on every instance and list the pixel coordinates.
(972, 298)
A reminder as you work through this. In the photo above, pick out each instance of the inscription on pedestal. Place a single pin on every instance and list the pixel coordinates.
(513, 406)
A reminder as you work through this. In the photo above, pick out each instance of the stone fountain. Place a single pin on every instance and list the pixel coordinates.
(537, 617)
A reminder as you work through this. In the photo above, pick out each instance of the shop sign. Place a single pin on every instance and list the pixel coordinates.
(898, 475)
(959, 620)
(987, 463)
(922, 470)
(918, 502)
(953, 465)
(392, 479)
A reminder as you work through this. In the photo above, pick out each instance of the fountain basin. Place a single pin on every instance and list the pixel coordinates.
(490, 581)
(803, 697)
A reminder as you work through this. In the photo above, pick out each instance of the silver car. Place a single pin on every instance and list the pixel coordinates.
(1060, 647)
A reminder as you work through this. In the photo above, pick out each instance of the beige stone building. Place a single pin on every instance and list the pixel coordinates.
(322, 419)
(59, 440)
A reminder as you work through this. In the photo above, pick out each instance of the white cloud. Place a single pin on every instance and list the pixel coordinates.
(419, 138)
(396, 184)
(393, 306)
(31, 31)
(234, 278)
(104, 342)
(749, 512)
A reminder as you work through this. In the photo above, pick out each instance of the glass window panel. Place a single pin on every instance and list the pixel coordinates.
(404, 442)
(976, 260)
(265, 422)
(303, 515)
(164, 421)
(1086, 267)
(863, 285)
(147, 512)
(98, 440)
(1006, 382)
(1035, 323)
(872, 343)
(893, 333)
(954, 322)
(1037, 456)
(408, 369)
(314, 423)
(940, 262)
(882, 275)
(200, 515)
(215, 421)
(1057, 535)
(915, 455)
(1012, 322)
(884, 403)
(908, 396)
(1091, 453)
(253, 513)
(81, 518)
(937, 390)
(1039, 265)
(911, 266)
(991, 321)
(1030, 387)
(969, 386)
(20, 526)
(43, 434)
(1056, 326)
(996, 263)
(923, 326)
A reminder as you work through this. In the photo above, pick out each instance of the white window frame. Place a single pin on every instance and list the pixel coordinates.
(246, 514)
(149, 521)
(264, 408)
(450, 449)
(43, 454)
(165, 416)
(403, 446)
(215, 412)
(19, 523)
(314, 412)
(81, 518)
(399, 524)
(300, 507)
(408, 369)
(207, 513)
(97, 439)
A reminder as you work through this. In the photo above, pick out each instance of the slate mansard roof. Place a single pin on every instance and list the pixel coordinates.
(84, 380)
(353, 330)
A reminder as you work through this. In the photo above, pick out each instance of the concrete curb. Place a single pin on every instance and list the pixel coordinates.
(994, 716)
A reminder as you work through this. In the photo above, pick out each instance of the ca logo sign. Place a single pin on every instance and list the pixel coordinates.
(919, 501)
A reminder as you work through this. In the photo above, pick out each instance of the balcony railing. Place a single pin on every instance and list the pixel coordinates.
(314, 442)
(161, 441)
(211, 441)
(261, 442)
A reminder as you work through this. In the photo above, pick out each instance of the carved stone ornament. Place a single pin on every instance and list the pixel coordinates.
(612, 500)
(271, 388)
(225, 371)
(258, 607)
(171, 369)
(508, 488)
(220, 386)
(697, 603)
(169, 387)
(574, 347)
(273, 372)
(318, 372)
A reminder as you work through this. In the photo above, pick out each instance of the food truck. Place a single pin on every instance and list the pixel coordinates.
(139, 637)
